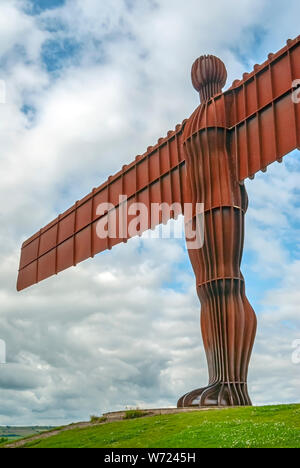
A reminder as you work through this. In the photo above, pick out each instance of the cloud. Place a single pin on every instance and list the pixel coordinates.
(90, 85)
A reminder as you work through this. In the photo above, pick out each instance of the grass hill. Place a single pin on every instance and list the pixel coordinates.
(14, 433)
(273, 426)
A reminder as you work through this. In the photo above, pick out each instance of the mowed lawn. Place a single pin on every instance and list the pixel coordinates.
(273, 426)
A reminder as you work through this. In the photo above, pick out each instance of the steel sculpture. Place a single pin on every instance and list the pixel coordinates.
(229, 138)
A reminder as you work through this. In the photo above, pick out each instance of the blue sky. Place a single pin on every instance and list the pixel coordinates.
(39, 6)
(84, 96)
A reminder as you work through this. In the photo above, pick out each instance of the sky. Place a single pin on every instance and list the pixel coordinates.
(89, 85)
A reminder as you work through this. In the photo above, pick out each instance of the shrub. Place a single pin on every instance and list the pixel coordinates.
(97, 420)
(134, 414)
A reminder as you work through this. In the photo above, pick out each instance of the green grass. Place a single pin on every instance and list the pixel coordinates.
(274, 426)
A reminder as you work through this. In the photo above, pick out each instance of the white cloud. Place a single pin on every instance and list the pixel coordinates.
(19, 31)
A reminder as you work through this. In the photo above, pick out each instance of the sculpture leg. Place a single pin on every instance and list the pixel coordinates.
(228, 322)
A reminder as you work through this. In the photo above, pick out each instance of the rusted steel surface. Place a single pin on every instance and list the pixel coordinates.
(230, 137)
(209, 76)
(265, 120)
(262, 119)
(228, 322)
(158, 176)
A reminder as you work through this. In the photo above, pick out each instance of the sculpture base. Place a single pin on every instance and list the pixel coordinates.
(217, 395)
(120, 415)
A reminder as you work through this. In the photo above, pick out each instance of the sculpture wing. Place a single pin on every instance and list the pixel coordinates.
(264, 114)
(158, 176)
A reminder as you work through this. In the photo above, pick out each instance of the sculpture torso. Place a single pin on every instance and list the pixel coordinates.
(211, 169)
(212, 177)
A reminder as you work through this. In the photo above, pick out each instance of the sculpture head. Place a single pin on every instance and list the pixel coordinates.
(209, 76)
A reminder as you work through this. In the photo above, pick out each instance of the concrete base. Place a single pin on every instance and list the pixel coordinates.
(119, 415)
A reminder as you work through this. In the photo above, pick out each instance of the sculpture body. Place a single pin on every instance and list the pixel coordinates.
(228, 322)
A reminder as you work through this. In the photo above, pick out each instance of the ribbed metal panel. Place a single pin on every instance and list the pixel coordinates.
(158, 176)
